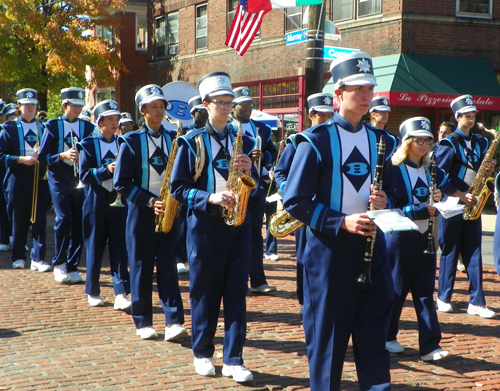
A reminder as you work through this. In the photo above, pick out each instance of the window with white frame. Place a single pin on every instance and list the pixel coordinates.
(107, 34)
(231, 11)
(104, 94)
(293, 19)
(173, 33)
(201, 27)
(343, 10)
(475, 8)
(141, 32)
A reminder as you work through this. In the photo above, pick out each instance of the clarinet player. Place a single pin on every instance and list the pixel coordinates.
(329, 191)
(412, 253)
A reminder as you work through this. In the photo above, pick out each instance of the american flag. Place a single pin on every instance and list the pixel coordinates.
(244, 27)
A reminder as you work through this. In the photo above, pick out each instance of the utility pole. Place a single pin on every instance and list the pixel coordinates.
(314, 51)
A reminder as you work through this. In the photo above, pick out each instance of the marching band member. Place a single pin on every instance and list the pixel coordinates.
(5, 225)
(58, 150)
(379, 112)
(103, 222)
(198, 112)
(139, 174)
(320, 111)
(19, 145)
(126, 124)
(10, 112)
(330, 191)
(460, 156)
(263, 156)
(413, 265)
(86, 115)
(219, 254)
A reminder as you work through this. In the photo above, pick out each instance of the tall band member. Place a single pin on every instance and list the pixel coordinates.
(139, 175)
(102, 221)
(263, 156)
(125, 125)
(58, 150)
(19, 146)
(320, 111)
(496, 234)
(413, 253)
(219, 254)
(330, 191)
(460, 156)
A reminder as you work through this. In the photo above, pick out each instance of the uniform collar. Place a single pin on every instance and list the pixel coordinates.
(462, 134)
(347, 125)
(27, 122)
(152, 133)
(67, 119)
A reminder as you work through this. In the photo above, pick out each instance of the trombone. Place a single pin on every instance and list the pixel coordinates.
(36, 171)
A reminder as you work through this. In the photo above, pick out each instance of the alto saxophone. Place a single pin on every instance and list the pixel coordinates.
(483, 184)
(282, 224)
(172, 209)
(240, 184)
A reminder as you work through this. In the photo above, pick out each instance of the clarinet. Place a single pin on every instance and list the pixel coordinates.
(432, 186)
(365, 276)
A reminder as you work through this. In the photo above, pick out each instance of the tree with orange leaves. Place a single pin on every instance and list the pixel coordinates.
(46, 44)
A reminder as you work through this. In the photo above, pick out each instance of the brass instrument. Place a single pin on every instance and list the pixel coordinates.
(172, 209)
(36, 172)
(432, 219)
(258, 145)
(240, 184)
(282, 224)
(365, 276)
(118, 200)
(483, 184)
(73, 146)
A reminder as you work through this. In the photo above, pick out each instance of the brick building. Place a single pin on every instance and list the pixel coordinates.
(425, 52)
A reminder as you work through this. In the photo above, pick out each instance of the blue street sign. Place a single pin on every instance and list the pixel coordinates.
(296, 37)
(332, 52)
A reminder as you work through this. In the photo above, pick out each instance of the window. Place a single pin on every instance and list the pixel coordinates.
(201, 27)
(106, 34)
(173, 34)
(352, 9)
(474, 8)
(231, 10)
(160, 37)
(141, 32)
(293, 19)
(280, 95)
(104, 93)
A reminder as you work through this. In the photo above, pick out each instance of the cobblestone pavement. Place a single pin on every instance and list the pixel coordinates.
(50, 339)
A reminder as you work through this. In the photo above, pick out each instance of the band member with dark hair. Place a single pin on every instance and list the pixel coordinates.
(413, 253)
(460, 155)
(219, 253)
(103, 222)
(126, 124)
(58, 150)
(5, 225)
(140, 173)
(330, 191)
(27, 195)
(263, 155)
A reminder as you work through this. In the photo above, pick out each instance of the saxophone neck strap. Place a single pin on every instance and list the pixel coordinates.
(212, 132)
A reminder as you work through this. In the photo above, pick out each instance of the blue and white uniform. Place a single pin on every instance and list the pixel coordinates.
(460, 157)
(138, 177)
(219, 254)
(412, 269)
(102, 223)
(66, 197)
(18, 138)
(320, 193)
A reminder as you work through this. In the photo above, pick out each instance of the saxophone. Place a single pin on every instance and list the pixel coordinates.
(240, 184)
(282, 224)
(172, 209)
(483, 184)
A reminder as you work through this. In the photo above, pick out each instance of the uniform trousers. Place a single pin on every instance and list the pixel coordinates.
(256, 208)
(300, 246)
(18, 187)
(415, 271)
(68, 204)
(104, 223)
(147, 249)
(496, 244)
(458, 236)
(336, 306)
(271, 244)
(219, 263)
(5, 225)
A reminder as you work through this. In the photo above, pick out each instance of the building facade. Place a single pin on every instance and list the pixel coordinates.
(425, 52)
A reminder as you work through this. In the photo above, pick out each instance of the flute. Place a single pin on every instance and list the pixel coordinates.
(365, 276)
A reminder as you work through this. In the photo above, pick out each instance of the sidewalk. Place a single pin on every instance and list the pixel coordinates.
(50, 339)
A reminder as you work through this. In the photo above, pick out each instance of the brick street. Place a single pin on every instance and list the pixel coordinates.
(50, 339)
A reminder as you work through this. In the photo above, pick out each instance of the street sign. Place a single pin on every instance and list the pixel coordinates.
(296, 37)
(331, 52)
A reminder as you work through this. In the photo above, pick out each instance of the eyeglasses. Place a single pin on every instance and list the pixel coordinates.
(223, 104)
(246, 104)
(422, 141)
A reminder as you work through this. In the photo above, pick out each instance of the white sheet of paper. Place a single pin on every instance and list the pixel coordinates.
(273, 198)
(450, 207)
(391, 220)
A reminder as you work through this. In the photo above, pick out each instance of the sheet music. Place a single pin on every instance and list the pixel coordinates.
(450, 207)
(391, 220)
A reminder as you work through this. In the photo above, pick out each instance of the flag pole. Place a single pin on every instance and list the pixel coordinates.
(314, 50)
